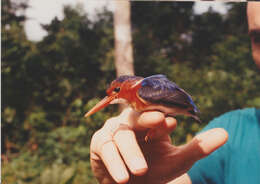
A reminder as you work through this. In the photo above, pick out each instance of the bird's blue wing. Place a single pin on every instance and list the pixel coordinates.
(158, 89)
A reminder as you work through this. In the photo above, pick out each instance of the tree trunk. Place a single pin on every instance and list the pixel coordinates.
(123, 39)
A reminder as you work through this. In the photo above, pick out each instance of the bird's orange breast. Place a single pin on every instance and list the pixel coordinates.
(130, 93)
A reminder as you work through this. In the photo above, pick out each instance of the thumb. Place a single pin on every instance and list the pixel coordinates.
(204, 144)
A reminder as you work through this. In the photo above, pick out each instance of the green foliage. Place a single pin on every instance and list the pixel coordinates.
(49, 85)
(30, 168)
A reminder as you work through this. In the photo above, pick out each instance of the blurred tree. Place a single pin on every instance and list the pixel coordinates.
(204, 36)
(123, 39)
(49, 85)
(46, 85)
(15, 51)
(161, 33)
(124, 62)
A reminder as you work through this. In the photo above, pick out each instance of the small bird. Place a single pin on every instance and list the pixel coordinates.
(155, 92)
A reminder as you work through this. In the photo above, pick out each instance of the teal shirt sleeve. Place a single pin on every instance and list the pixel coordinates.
(238, 161)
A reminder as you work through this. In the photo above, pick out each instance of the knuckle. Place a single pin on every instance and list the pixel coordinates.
(95, 138)
(123, 131)
(111, 121)
(99, 138)
(111, 124)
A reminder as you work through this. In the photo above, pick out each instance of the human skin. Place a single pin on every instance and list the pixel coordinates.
(253, 19)
(120, 154)
(253, 15)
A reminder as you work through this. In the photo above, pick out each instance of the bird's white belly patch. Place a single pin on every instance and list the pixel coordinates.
(173, 111)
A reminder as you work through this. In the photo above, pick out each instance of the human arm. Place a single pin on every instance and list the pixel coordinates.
(120, 145)
(183, 179)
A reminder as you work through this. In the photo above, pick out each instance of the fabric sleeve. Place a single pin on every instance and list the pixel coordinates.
(211, 168)
(237, 161)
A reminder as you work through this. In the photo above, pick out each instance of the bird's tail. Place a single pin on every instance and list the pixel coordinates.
(196, 118)
(194, 115)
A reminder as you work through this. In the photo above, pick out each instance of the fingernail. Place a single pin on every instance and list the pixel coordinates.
(138, 166)
(122, 177)
(146, 138)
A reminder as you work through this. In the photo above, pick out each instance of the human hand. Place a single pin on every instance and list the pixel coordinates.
(120, 154)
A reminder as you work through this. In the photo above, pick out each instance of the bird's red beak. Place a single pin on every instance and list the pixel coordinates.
(100, 105)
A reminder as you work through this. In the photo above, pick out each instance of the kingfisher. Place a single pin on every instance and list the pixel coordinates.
(153, 93)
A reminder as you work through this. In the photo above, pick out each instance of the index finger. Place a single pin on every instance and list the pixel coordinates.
(142, 120)
(150, 119)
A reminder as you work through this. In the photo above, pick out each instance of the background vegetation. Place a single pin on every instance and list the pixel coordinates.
(47, 86)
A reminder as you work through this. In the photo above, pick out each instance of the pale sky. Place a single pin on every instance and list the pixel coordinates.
(43, 11)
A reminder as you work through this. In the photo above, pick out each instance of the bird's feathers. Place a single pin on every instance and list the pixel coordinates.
(151, 93)
(159, 90)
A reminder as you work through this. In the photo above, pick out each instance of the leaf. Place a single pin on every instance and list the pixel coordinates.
(68, 175)
(46, 176)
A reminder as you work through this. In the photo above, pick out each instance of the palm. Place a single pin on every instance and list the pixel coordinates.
(119, 152)
(159, 154)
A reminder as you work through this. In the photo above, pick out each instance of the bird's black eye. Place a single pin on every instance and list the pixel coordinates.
(117, 89)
